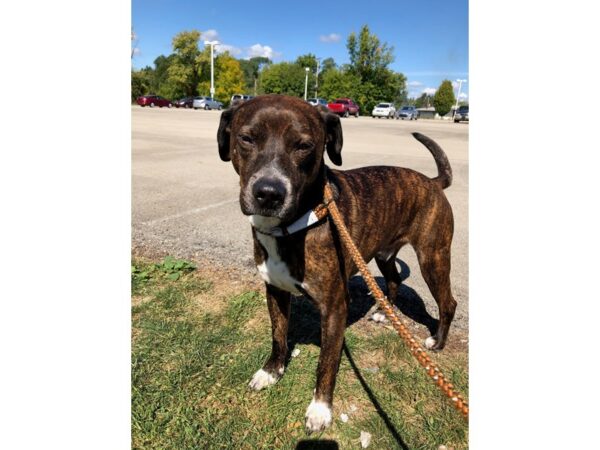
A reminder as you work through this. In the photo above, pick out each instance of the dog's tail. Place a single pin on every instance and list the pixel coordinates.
(444, 177)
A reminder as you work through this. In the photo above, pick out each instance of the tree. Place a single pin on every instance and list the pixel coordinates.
(229, 78)
(183, 72)
(444, 98)
(327, 65)
(424, 101)
(309, 60)
(141, 80)
(251, 69)
(283, 78)
(368, 56)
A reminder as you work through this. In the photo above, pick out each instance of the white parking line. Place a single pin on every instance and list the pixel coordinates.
(189, 212)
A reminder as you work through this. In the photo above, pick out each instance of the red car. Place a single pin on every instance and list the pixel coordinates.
(153, 100)
(344, 107)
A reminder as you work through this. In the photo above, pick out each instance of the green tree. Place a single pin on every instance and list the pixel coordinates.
(283, 78)
(337, 83)
(141, 81)
(183, 72)
(309, 60)
(424, 101)
(444, 99)
(229, 78)
(251, 69)
(369, 58)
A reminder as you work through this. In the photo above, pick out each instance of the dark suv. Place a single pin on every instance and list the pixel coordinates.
(462, 113)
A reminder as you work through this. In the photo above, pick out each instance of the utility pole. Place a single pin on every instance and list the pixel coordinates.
(460, 82)
(317, 80)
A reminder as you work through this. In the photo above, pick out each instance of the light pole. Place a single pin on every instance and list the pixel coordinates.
(460, 82)
(212, 66)
(306, 82)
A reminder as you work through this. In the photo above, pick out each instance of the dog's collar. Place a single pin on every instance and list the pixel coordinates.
(311, 217)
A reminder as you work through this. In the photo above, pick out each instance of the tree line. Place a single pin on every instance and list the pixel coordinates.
(367, 78)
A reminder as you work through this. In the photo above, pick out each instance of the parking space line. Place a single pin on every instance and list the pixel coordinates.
(189, 212)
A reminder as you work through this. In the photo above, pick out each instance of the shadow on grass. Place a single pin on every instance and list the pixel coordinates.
(305, 320)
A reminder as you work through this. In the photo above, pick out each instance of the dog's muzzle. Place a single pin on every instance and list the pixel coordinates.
(269, 194)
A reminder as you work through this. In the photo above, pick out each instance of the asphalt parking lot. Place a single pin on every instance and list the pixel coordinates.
(184, 198)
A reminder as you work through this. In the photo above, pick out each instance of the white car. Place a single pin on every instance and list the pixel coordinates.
(384, 110)
(206, 103)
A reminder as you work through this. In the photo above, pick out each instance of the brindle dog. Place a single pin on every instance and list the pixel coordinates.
(277, 144)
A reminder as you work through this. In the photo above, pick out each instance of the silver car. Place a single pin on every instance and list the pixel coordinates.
(407, 112)
(206, 103)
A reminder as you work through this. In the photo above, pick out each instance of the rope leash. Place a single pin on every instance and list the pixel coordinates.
(430, 367)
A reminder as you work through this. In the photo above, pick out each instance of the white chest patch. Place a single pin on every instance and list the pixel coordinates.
(273, 270)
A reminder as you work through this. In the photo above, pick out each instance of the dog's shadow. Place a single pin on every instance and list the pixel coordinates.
(304, 327)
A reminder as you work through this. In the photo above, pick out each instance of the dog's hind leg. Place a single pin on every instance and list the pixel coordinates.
(387, 267)
(278, 302)
(435, 268)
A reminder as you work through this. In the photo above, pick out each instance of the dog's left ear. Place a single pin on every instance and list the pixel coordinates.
(225, 131)
(333, 135)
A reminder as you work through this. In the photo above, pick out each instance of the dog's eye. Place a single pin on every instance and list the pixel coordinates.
(246, 139)
(304, 146)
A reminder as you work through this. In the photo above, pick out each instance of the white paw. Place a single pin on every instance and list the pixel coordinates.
(318, 416)
(262, 379)
(430, 342)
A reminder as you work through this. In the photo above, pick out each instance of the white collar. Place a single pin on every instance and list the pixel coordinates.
(309, 218)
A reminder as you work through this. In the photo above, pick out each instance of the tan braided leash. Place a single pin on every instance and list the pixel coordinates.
(432, 370)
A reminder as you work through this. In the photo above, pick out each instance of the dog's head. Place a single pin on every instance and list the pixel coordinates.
(276, 144)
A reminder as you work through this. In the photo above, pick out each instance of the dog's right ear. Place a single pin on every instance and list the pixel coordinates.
(224, 131)
(334, 139)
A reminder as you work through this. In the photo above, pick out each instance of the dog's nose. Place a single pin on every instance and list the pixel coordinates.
(269, 194)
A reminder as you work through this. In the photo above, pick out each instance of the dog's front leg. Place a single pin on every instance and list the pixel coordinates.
(278, 302)
(334, 311)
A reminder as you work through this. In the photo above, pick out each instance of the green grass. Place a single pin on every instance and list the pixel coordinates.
(191, 364)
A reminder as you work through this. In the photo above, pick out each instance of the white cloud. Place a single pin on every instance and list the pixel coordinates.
(462, 96)
(262, 50)
(222, 48)
(429, 91)
(332, 37)
(210, 35)
(414, 84)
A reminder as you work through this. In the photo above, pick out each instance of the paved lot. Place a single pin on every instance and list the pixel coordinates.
(185, 198)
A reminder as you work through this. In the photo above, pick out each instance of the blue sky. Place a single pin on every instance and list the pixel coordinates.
(430, 37)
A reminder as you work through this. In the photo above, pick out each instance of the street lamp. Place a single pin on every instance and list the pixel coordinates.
(306, 82)
(212, 66)
(460, 82)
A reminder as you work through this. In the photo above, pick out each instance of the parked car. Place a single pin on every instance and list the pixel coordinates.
(462, 113)
(186, 102)
(344, 107)
(407, 112)
(384, 110)
(153, 100)
(317, 101)
(240, 97)
(206, 103)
